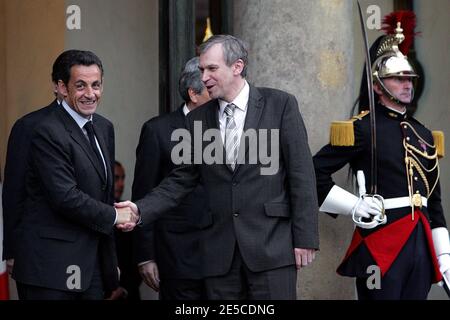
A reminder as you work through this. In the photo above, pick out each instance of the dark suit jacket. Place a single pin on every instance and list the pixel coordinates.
(265, 215)
(68, 217)
(173, 241)
(14, 191)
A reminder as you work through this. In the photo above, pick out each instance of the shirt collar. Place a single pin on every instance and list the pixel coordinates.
(241, 100)
(395, 110)
(185, 109)
(81, 121)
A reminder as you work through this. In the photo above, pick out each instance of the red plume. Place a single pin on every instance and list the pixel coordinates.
(408, 23)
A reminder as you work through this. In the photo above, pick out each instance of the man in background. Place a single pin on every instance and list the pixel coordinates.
(168, 251)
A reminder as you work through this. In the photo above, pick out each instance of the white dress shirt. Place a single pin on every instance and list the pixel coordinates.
(185, 109)
(241, 103)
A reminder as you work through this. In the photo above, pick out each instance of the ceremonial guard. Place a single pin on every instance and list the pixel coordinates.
(400, 226)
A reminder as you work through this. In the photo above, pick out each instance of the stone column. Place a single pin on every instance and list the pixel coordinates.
(306, 48)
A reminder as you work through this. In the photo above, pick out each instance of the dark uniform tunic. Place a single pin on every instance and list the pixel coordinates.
(400, 242)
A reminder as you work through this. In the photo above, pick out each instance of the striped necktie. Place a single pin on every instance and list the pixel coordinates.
(231, 136)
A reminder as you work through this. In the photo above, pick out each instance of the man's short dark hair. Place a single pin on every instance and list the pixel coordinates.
(59, 63)
(70, 58)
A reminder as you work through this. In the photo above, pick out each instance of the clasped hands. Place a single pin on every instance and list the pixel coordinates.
(369, 207)
(127, 215)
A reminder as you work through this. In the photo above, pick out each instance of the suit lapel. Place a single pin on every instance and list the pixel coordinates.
(77, 134)
(255, 108)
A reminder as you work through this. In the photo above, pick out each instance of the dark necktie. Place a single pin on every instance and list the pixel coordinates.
(90, 132)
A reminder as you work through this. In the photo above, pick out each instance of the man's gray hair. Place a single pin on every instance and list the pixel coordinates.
(190, 77)
(233, 49)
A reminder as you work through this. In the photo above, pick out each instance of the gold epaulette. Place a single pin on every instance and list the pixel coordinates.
(342, 133)
(439, 142)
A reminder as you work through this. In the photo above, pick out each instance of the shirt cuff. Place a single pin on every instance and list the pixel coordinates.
(145, 262)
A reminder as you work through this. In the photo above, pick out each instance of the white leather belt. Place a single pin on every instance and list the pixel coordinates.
(401, 202)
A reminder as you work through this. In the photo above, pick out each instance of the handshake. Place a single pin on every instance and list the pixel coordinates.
(127, 215)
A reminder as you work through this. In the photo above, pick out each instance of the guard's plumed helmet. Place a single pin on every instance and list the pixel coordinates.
(390, 60)
(391, 56)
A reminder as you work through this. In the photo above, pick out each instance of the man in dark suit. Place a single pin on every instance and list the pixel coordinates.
(169, 250)
(66, 248)
(264, 213)
(14, 192)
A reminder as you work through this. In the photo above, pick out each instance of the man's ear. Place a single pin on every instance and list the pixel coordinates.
(62, 88)
(377, 89)
(192, 95)
(55, 87)
(238, 66)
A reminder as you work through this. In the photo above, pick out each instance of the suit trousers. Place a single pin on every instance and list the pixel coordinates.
(94, 292)
(182, 289)
(241, 283)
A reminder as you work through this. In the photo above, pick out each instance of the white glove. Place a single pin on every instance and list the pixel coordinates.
(340, 201)
(444, 265)
(368, 206)
(441, 242)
